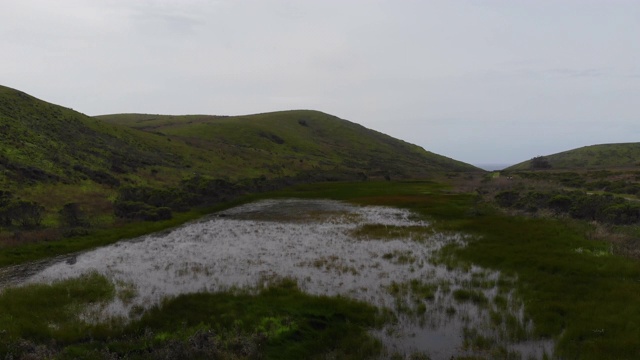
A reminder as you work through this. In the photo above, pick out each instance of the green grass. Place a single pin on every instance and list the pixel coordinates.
(42, 312)
(278, 323)
(570, 296)
(296, 325)
(474, 296)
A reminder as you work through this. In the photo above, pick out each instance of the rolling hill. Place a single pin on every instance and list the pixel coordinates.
(51, 156)
(290, 142)
(604, 156)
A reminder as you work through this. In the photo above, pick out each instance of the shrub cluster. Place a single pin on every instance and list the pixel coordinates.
(577, 204)
(151, 204)
(616, 186)
(148, 203)
(20, 213)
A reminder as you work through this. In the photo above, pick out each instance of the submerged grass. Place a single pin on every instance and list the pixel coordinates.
(391, 232)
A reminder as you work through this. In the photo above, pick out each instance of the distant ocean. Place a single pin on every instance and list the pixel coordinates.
(492, 167)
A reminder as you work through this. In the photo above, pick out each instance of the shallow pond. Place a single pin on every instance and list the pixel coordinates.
(381, 255)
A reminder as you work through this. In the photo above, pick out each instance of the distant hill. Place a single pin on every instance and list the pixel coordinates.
(623, 155)
(54, 156)
(289, 142)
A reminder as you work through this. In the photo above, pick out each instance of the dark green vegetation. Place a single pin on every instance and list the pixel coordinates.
(610, 198)
(605, 156)
(40, 321)
(64, 174)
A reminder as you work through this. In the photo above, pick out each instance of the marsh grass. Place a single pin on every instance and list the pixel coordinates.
(49, 312)
(390, 232)
(587, 303)
(280, 322)
(292, 324)
(474, 296)
(570, 295)
(412, 297)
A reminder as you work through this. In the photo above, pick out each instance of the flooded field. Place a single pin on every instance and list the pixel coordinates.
(384, 256)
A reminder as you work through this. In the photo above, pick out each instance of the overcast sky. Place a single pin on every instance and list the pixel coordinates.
(478, 81)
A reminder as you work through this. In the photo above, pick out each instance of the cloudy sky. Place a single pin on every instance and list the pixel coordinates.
(479, 81)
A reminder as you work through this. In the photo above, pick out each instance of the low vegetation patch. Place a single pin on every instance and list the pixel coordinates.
(390, 232)
(278, 323)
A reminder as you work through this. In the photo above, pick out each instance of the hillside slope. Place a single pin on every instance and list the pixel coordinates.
(57, 163)
(290, 142)
(45, 143)
(623, 155)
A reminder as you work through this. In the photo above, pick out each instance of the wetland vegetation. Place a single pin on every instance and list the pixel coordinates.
(524, 288)
(139, 236)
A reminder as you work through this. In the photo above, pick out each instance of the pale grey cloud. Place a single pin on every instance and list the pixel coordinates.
(490, 81)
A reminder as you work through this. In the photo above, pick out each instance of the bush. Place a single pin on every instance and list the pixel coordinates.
(578, 204)
(5, 215)
(26, 214)
(532, 201)
(71, 216)
(135, 210)
(540, 162)
(560, 203)
(507, 198)
(622, 214)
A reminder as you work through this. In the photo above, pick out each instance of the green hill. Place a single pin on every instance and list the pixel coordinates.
(139, 166)
(290, 142)
(605, 156)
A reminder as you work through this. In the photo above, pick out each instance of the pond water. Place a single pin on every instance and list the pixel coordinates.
(381, 255)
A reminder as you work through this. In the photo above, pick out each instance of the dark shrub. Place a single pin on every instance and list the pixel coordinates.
(507, 198)
(622, 214)
(136, 210)
(26, 214)
(540, 162)
(71, 216)
(560, 203)
(532, 201)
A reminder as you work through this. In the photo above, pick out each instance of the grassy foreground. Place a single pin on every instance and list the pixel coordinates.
(573, 289)
(40, 321)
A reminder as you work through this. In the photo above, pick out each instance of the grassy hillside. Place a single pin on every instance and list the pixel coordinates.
(42, 142)
(58, 166)
(605, 156)
(289, 142)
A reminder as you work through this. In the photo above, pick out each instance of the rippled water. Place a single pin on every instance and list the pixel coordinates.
(315, 243)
